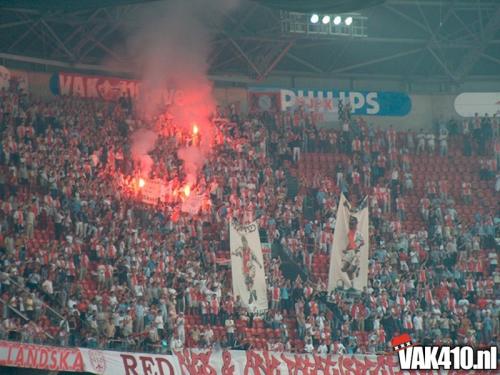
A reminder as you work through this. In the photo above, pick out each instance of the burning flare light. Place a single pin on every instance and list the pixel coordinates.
(187, 190)
(195, 129)
(141, 182)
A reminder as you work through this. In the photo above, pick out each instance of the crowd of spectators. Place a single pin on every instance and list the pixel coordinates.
(84, 263)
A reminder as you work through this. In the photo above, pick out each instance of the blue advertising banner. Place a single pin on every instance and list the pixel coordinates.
(326, 102)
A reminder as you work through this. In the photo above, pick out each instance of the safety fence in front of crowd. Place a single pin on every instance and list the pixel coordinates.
(224, 362)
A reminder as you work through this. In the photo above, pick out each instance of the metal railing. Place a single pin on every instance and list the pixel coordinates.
(44, 304)
(24, 317)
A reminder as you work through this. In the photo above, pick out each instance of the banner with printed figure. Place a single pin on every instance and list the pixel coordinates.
(247, 266)
(13, 78)
(349, 253)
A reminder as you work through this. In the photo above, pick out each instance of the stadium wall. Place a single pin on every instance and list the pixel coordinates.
(426, 108)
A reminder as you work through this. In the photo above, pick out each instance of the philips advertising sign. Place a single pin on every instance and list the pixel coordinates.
(371, 103)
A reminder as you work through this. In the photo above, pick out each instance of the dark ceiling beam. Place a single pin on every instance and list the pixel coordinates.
(21, 37)
(406, 17)
(240, 78)
(474, 54)
(490, 58)
(462, 5)
(58, 40)
(275, 61)
(442, 63)
(108, 50)
(239, 24)
(332, 40)
(82, 26)
(376, 61)
(245, 57)
(113, 25)
(466, 26)
(236, 56)
(15, 24)
(92, 46)
(303, 62)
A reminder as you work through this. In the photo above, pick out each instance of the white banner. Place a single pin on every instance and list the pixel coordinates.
(234, 362)
(469, 103)
(247, 266)
(42, 357)
(192, 204)
(349, 253)
(196, 362)
(152, 191)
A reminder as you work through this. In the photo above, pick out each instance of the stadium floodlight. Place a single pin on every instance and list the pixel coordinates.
(326, 20)
(348, 21)
(337, 20)
(314, 18)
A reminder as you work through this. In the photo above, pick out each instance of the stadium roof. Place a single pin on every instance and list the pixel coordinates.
(440, 40)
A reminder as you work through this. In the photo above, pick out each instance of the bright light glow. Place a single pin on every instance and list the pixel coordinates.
(187, 190)
(314, 18)
(195, 129)
(326, 20)
(337, 20)
(348, 21)
(141, 182)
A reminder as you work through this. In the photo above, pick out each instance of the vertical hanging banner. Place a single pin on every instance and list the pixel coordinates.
(247, 266)
(349, 253)
(13, 78)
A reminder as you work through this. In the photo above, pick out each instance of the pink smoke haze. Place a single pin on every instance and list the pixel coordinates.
(170, 47)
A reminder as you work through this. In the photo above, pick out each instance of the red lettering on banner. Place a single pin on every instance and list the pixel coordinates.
(300, 101)
(293, 363)
(227, 366)
(43, 358)
(330, 363)
(78, 364)
(65, 83)
(196, 363)
(19, 358)
(53, 360)
(10, 352)
(267, 363)
(63, 359)
(150, 365)
(355, 365)
(91, 88)
(311, 366)
(384, 365)
(314, 365)
(78, 87)
(130, 364)
(328, 105)
(31, 361)
(108, 88)
(162, 361)
(147, 365)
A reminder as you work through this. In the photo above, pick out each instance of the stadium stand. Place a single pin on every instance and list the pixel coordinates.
(84, 264)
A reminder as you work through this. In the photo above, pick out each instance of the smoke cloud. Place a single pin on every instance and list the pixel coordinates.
(170, 48)
(143, 142)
